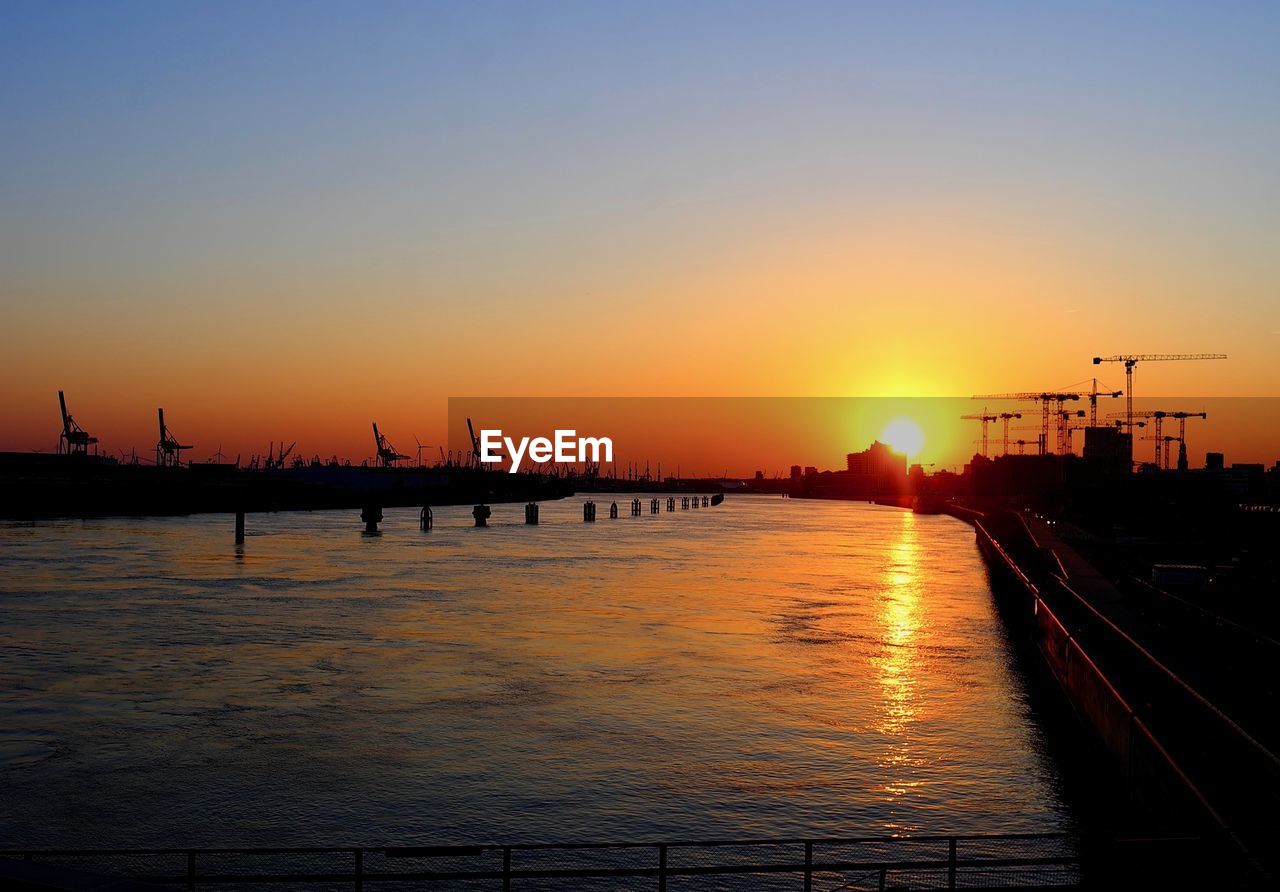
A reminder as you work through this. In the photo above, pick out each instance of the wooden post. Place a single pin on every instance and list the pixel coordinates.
(239, 527)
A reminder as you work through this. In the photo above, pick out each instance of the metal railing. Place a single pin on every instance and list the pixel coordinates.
(934, 862)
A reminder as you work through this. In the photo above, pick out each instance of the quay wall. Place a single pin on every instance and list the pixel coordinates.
(1138, 756)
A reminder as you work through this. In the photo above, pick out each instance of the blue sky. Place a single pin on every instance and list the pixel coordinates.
(1079, 178)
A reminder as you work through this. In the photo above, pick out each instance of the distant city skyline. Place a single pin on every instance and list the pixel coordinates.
(288, 220)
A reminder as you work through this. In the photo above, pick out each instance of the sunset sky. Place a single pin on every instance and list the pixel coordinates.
(290, 219)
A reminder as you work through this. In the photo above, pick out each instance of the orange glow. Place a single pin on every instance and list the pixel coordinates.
(904, 435)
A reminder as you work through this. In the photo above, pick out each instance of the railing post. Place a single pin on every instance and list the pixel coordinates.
(506, 869)
(808, 867)
(662, 867)
(359, 870)
(951, 863)
(191, 870)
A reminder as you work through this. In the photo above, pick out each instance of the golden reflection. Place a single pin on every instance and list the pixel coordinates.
(898, 664)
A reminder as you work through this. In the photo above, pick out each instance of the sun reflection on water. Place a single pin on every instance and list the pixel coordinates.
(900, 619)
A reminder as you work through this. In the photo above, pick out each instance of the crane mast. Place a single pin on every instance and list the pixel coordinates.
(1131, 360)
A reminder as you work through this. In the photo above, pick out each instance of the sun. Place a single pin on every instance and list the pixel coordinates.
(904, 435)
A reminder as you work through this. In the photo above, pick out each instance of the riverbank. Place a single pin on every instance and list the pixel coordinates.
(1175, 752)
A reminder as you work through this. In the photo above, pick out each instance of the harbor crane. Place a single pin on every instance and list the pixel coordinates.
(985, 419)
(475, 443)
(1132, 359)
(74, 440)
(168, 449)
(277, 461)
(387, 455)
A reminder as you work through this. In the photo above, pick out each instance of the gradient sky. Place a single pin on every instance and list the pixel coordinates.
(287, 219)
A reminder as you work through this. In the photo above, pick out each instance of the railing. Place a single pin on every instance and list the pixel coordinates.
(935, 862)
(1141, 754)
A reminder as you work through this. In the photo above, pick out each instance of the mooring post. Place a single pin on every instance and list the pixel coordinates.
(239, 527)
(671, 503)
(653, 506)
(531, 513)
(426, 519)
(372, 516)
(589, 512)
(706, 501)
(635, 507)
(695, 503)
(613, 511)
(481, 514)
(684, 503)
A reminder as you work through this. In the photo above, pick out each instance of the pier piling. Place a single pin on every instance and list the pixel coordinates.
(671, 503)
(589, 511)
(426, 519)
(613, 511)
(239, 527)
(531, 514)
(653, 506)
(372, 516)
(635, 507)
(481, 513)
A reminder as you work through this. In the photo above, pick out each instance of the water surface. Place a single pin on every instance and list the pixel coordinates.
(767, 667)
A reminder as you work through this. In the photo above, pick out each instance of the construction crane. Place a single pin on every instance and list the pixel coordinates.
(1182, 436)
(1005, 417)
(1131, 360)
(1046, 398)
(1164, 439)
(985, 419)
(1065, 427)
(168, 449)
(74, 440)
(387, 455)
(1093, 393)
(1157, 417)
